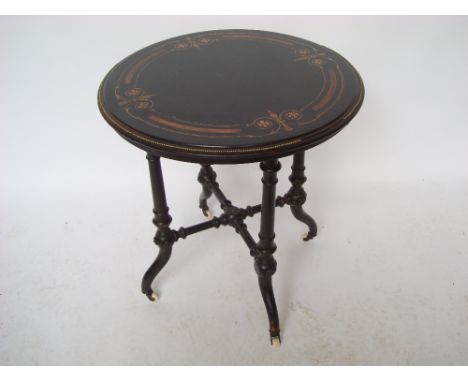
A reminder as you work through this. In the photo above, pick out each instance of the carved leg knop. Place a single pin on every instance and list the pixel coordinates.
(205, 176)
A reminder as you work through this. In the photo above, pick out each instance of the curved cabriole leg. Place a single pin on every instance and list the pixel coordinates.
(206, 175)
(305, 218)
(162, 259)
(265, 264)
(164, 238)
(296, 196)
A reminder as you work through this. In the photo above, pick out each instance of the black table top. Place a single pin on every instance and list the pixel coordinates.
(230, 96)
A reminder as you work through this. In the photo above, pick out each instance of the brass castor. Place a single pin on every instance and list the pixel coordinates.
(276, 342)
(307, 236)
(152, 296)
(207, 212)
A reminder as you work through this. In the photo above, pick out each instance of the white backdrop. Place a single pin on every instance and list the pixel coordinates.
(385, 281)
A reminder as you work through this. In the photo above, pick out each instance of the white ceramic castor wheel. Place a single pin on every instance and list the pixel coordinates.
(153, 297)
(207, 212)
(275, 342)
(307, 236)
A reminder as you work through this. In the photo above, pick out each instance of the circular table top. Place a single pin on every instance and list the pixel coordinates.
(230, 96)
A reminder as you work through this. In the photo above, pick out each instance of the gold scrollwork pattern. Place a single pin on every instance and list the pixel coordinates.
(312, 56)
(193, 42)
(288, 120)
(275, 122)
(140, 105)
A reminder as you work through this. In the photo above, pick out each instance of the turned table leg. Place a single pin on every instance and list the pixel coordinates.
(296, 196)
(265, 264)
(164, 237)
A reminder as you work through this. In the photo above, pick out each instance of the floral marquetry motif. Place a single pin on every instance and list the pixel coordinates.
(137, 98)
(189, 42)
(293, 115)
(263, 123)
(312, 56)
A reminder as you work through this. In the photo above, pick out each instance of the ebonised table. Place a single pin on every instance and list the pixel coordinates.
(231, 97)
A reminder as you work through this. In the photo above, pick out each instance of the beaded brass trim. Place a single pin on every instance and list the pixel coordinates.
(359, 101)
(120, 126)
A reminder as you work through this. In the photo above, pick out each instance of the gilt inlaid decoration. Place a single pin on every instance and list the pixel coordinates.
(230, 87)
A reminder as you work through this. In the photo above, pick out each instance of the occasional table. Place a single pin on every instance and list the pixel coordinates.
(231, 97)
